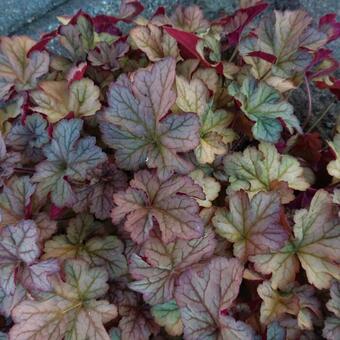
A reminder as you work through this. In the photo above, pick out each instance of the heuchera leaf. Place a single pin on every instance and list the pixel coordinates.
(8, 160)
(156, 172)
(330, 26)
(107, 56)
(171, 203)
(18, 71)
(77, 36)
(332, 324)
(103, 251)
(136, 321)
(14, 200)
(262, 104)
(190, 19)
(154, 42)
(168, 316)
(296, 300)
(29, 138)
(9, 301)
(259, 169)
(192, 96)
(72, 311)
(19, 251)
(159, 265)
(287, 36)
(253, 226)
(315, 245)
(138, 128)
(276, 332)
(211, 187)
(18, 202)
(234, 25)
(68, 158)
(204, 294)
(56, 99)
(333, 167)
(97, 193)
(9, 111)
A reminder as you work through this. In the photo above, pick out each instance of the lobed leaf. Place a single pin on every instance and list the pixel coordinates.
(103, 251)
(72, 311)
(315, 245)
(157, 270)
(29, 138)
(19, 252)
(56, 99)
(135, 124)
(262, 104)
(104, 181)
(171, 203)
(168, 316)
(253, 226)
(19, 70)
(204, 294)
(260, 169)
(154, 42)
(192, 96)
(68, 158)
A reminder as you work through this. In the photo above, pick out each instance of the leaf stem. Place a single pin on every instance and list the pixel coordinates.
(24, 170)
(232, 57)
(323, 114)
(309, 112)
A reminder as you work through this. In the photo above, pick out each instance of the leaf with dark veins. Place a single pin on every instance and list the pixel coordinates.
(203, 294)
(253, 226)
(135, 125)
(69, 157)
(160, 265)
(19, 252)
(171, 203)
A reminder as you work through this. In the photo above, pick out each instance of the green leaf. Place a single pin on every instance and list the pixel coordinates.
(259, 169)
(275, 332)
(262, 104)
(168, 315)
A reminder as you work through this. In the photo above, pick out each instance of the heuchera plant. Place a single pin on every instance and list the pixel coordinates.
(156, 182)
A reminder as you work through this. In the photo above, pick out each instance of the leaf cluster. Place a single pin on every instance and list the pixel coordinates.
(156, 182)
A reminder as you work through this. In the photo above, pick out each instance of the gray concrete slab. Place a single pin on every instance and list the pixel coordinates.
(14, 14)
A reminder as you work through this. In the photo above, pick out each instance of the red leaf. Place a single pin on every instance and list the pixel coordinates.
(239, 20)
(107, 24)
(319, 57)
(188, 42)
(263, 55)
(308, 147)
(159, 11)
(76, 73)
(55, 212)
(74, 19)
(330, 26)
(130, 9)
(334, 88)
(44, 40)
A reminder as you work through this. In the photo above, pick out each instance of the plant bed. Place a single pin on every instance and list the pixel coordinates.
(156, 182)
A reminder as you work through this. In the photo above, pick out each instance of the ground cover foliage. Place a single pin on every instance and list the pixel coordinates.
(157, 183)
